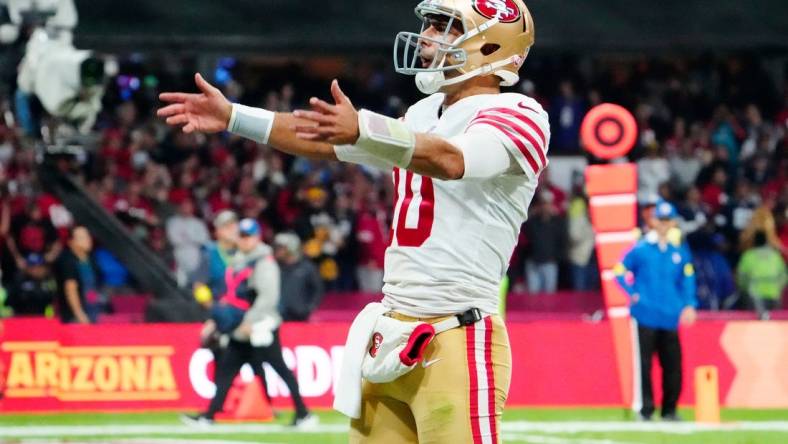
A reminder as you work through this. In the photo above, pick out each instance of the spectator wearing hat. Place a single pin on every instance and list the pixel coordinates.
(659, 277)
(302, 287)
(187, 234)
(33, 233)
(216, 255)
(34, 289)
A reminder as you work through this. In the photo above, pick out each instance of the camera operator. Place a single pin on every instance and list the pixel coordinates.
(52, 74)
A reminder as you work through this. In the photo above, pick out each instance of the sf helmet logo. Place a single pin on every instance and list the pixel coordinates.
(518, 60)
(506, 11)
(377, 340)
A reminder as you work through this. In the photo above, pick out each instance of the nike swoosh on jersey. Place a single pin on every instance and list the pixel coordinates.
(426, 364)
(524, 106)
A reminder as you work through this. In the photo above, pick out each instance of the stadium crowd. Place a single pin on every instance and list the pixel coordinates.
(713, 141)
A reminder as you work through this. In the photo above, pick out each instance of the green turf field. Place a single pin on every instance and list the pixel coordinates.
(533, 426)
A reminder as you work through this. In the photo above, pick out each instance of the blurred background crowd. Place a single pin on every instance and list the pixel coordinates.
(713, 141)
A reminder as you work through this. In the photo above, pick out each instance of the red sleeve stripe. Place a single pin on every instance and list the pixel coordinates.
(520, 145)
(512, 115)
(520, 116)
(518, 130)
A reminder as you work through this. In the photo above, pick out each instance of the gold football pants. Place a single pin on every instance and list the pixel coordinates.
(454, 396)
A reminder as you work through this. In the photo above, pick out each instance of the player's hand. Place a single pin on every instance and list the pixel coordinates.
(688, 316)
(207, 112)
(245, 329)
(21, 264)
(335, 124)
(207, 330)
(82, 318)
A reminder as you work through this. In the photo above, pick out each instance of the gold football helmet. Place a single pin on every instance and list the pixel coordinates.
(496, 37)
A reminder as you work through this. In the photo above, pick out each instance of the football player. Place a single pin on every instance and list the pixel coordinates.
(465, 163)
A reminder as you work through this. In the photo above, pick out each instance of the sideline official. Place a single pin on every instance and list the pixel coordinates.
(662, 294)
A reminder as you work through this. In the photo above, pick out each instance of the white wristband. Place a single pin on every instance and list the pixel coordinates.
(251, 123)
(386, 138)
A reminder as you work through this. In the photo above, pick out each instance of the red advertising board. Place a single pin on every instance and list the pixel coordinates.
(45, 366)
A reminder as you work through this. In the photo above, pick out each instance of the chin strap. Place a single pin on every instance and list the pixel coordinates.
(432, 82)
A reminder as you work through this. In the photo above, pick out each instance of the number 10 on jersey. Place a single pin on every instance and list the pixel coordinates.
(414, 209)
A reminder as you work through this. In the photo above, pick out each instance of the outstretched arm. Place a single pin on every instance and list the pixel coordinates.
(209, 112)
(338, 124)
(312, 134)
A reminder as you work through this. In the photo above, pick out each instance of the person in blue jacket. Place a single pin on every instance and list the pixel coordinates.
(216, 255)
(658, 275)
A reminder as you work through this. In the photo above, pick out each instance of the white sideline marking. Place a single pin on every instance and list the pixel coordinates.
(164, 429)
(570, 427)
(181, 441)
(682, 428)
(147, 441)
(540, 439)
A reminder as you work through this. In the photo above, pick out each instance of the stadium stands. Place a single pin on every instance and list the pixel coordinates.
(713, 140)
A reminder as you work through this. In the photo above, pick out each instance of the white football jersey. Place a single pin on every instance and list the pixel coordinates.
(451, 241)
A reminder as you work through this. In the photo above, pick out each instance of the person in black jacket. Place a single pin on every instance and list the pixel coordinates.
(34, 288)
(546, 232)
(302, 287)
(77, 276)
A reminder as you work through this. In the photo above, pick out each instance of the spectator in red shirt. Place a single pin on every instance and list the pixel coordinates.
(713, 193)
(33, 233)
(372, 241)
(184, 189)
(220, 199)
(116, 153)
(60, 217)
(135, 210)
(555, 194)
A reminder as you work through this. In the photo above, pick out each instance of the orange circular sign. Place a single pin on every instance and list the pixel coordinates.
(609, 131)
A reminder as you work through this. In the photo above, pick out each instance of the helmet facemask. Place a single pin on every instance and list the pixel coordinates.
(448, 56)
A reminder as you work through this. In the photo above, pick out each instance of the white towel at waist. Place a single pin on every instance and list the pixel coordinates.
(347, 395)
